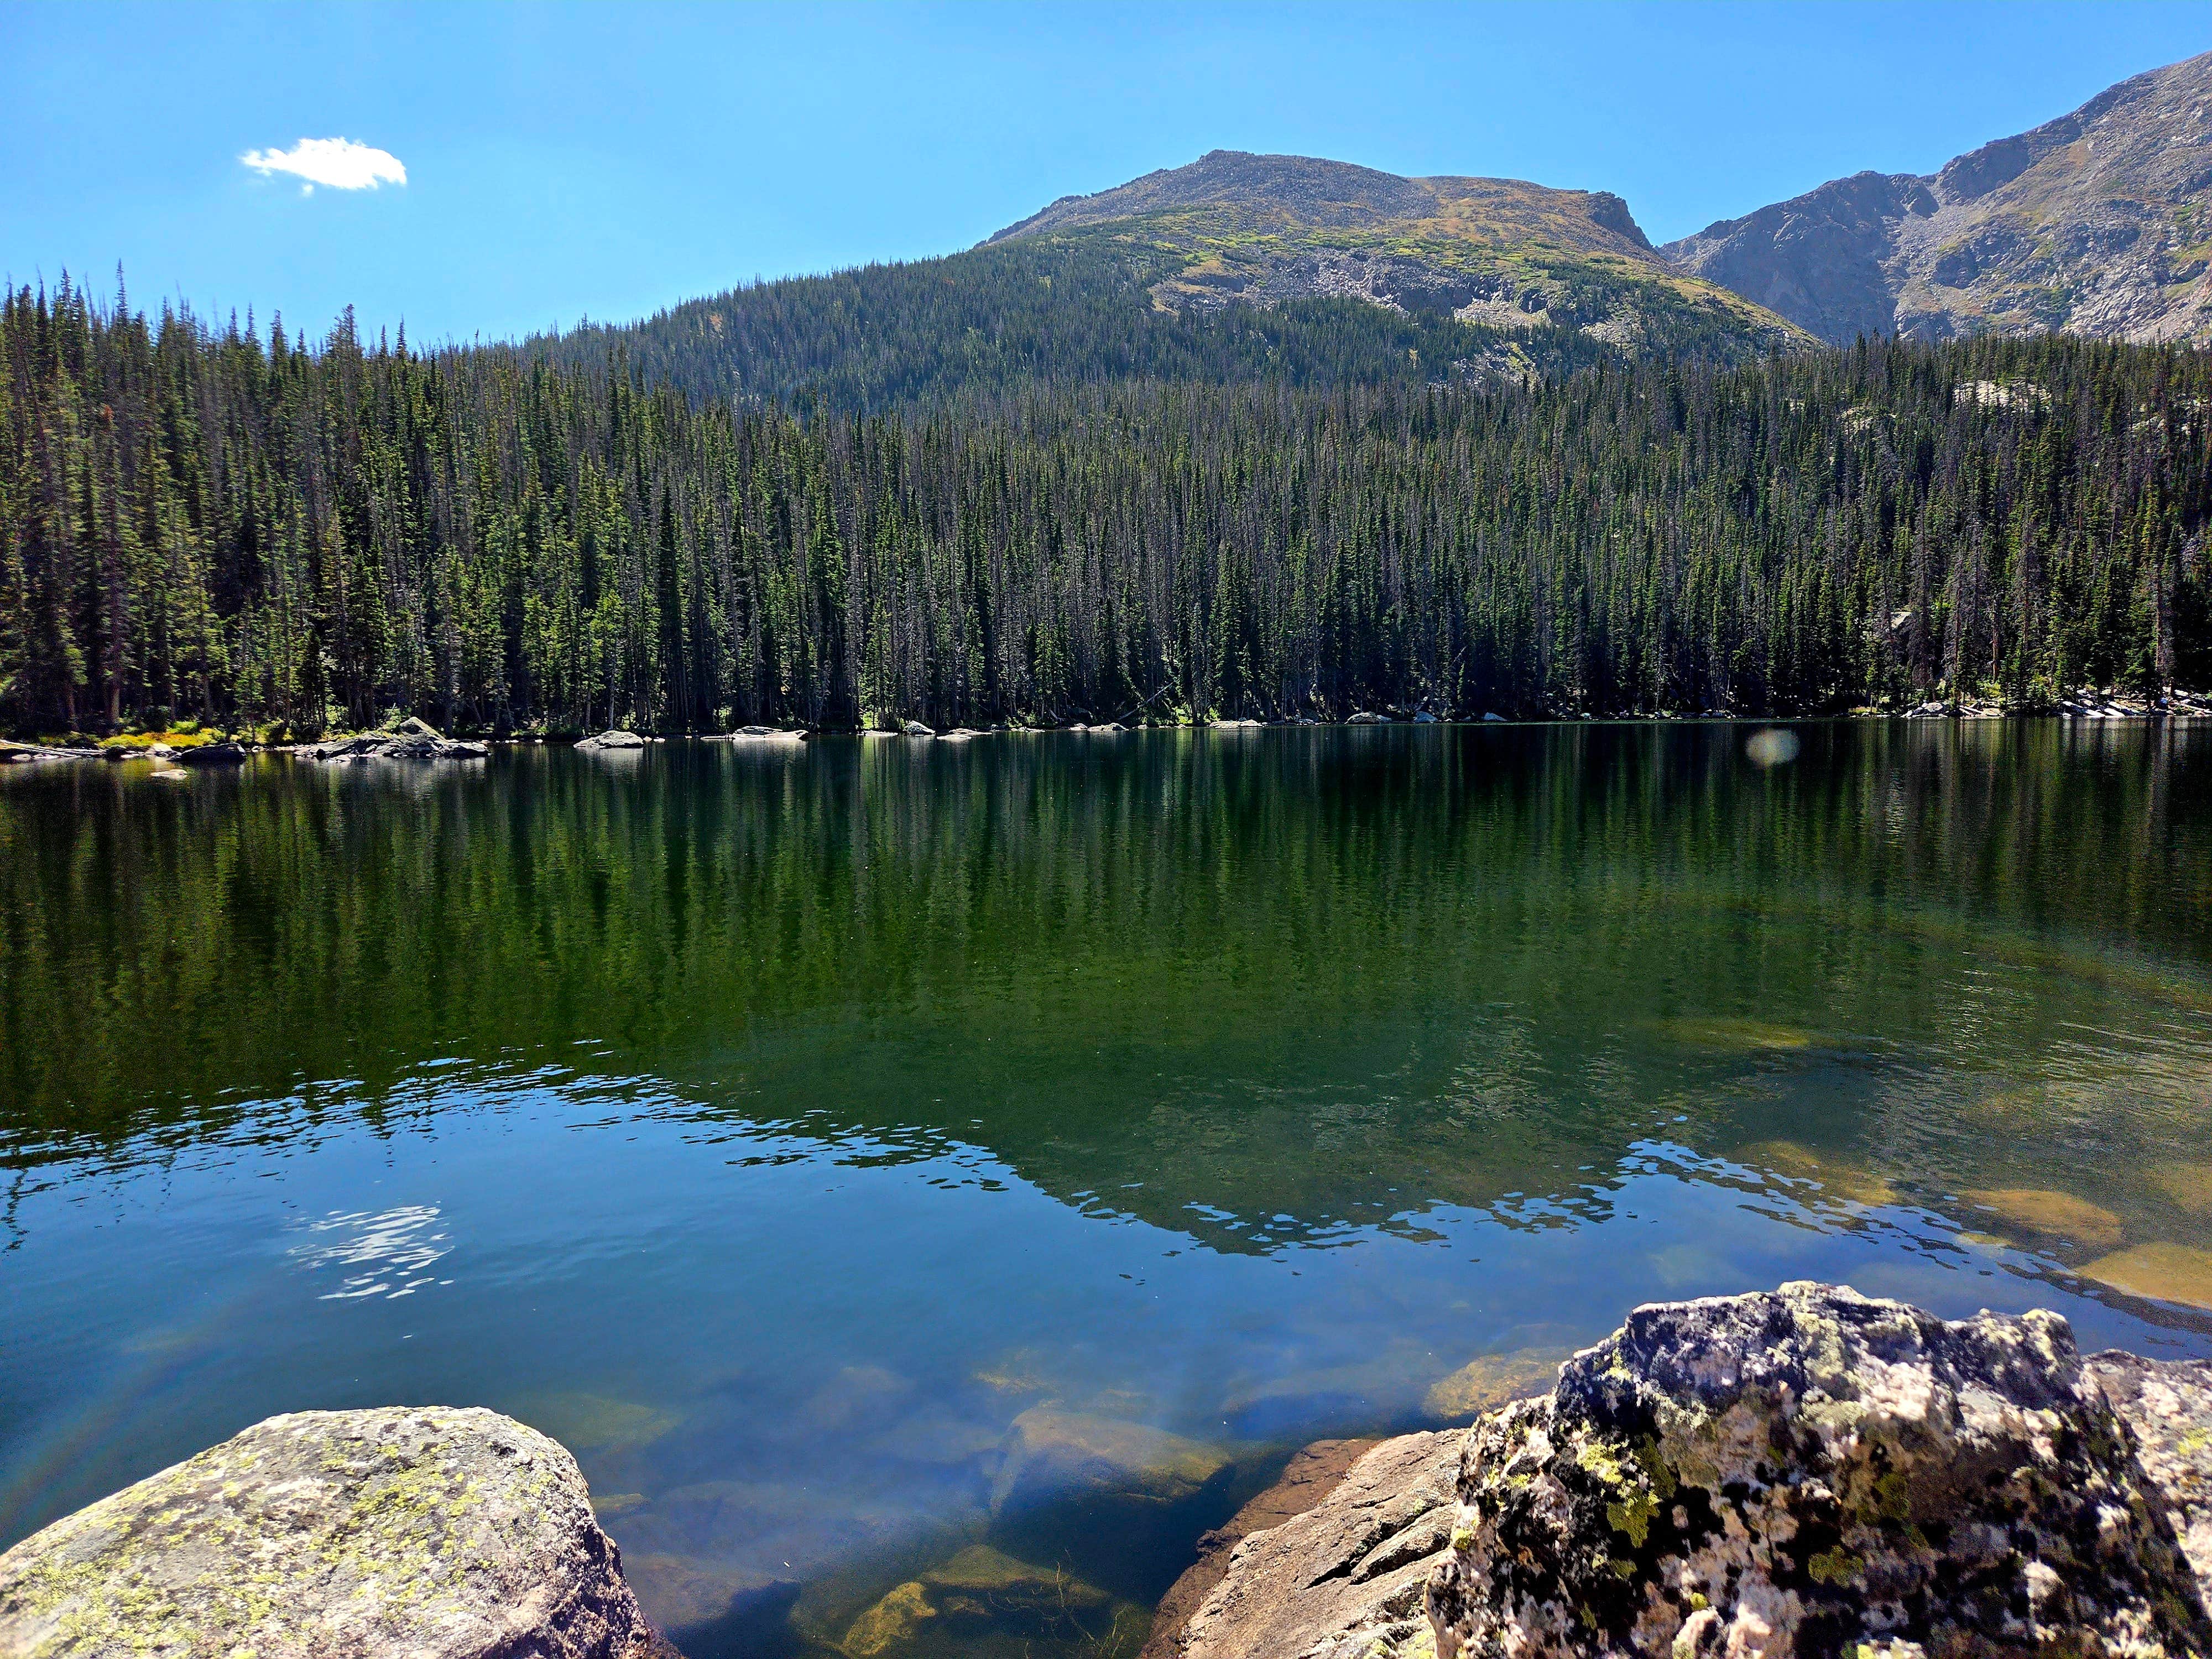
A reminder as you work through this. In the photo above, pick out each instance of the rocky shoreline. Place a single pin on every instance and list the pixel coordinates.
(415, 739)
(1802, 1472)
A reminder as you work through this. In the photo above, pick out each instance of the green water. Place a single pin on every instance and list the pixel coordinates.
(779, 1124)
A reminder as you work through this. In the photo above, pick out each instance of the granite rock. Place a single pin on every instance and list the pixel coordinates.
(1810, 1472)
(1345, 1578)
(430, 1532)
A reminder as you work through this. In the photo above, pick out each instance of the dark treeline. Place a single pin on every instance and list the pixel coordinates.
(210, 523)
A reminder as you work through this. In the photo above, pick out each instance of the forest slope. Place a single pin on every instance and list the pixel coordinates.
(204, 523)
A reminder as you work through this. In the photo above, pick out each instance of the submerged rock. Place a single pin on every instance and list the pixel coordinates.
(1810, 1472)
(1383, 1385)
(1830, 1177)
(983, 1590)
(1052, 1453)
(436, 1532)
(705, 1602)
(2158, 1272)
(2187, 1185)
(2050, 1214)
(595, 1422)
(1493, 1380)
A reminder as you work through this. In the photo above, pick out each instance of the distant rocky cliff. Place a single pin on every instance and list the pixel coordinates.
(2098, 223)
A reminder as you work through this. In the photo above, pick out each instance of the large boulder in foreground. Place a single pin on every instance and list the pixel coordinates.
(433, 1532)
(1809, 1472)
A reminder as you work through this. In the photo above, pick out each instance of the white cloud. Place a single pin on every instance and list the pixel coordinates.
(339, 163)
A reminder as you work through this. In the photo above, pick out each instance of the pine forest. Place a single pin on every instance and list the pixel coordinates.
(224, 525)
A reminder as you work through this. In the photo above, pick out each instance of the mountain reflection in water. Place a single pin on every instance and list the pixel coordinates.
(928, 1184)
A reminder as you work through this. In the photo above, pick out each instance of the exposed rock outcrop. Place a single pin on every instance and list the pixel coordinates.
(757, 734)
(1810, 1472)
(2167, 1405)
(1311, 1476)
(1512, 256)
(210, 754)
(23, 754)
(2092, 223)
(1804, 1471)
(436, 1532)
(414, 739)
(611, 739)
(1345, 1579)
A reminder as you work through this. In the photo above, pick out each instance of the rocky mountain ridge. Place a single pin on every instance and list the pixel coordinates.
(2099, 222)
(1241, 228)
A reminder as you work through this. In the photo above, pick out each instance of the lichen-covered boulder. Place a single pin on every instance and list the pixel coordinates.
(432, 1532)
(1809, 1472)
(2167, 1405)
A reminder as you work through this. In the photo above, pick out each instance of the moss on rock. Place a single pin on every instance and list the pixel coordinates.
(1810, 1472)
(439, 1533)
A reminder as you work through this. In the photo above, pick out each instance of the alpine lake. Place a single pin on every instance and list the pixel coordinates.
(928, 1184)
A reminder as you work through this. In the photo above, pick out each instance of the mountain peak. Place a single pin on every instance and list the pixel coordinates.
(1242, 228)
(2095, 222)
(1312, 193)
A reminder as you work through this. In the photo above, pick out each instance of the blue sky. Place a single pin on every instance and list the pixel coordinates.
(567, 160)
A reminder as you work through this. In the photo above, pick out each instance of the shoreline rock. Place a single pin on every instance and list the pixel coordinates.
(1802, 1472)
(1345, 1577)
(1311, 1476)
(1813, 1472)
(413, 739)
(610, 741)
(435, 1531)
